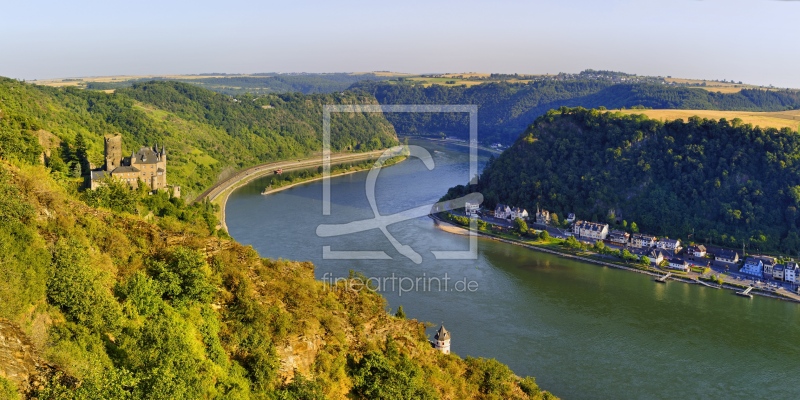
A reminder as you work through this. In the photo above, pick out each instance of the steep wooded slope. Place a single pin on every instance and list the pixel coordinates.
(721, 180)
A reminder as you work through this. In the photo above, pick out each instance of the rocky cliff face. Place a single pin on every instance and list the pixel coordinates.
(19, 362)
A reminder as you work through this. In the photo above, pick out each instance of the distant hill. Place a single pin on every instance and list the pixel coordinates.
(722, 181)
(205, 133)
(507, 103)
(235, 84)
(506, 108)
(285, 83)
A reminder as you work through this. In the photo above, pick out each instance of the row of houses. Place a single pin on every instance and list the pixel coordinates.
(768, 268)
(661, 249)
(668, 252)
(639, 240)
(506, 212)
(762, 267)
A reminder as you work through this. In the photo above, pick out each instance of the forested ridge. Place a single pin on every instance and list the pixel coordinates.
(505, 109)
(205, 133)
(257, 84)
(718, 182)
(121, 294)
(124, 295)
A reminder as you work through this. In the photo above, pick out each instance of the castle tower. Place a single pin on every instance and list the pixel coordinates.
(113, 151)
(442, 340)
(162, 167)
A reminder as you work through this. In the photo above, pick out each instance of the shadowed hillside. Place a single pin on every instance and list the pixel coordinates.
(506, 109)
(724, 181)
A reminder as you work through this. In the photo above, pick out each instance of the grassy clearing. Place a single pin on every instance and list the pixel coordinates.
(722, 87)
(201, 158)
(778, 120)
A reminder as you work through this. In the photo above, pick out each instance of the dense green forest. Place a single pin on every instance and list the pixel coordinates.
(119, 294)
(718, 182)
(126, 295)
(259, 84)
(207, 134)
(505, 109)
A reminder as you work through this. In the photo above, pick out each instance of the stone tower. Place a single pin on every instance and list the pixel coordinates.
(113, 151)
(442, 340)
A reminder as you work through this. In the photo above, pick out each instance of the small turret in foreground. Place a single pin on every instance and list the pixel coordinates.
(442, 340)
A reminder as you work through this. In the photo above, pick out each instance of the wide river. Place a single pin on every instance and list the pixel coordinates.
(584, 331)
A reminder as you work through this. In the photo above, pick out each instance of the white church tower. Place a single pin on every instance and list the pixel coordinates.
(442, 340)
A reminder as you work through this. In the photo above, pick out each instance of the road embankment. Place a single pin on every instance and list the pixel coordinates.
(218, 194)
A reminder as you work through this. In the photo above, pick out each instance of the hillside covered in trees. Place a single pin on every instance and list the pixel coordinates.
(207, 134)
(722, 181)
(257, 84)
(117, 294)
(505, 108)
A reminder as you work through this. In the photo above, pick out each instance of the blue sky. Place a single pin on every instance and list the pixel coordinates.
(754, 41)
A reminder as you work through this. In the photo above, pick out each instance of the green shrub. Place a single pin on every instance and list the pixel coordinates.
(376, 376)
(300, 388)
(101, 383)
(164, 357)
(183, 275)
(8, 390)
(18, 142)
(520, 226)
(572, 243)
(490, 375)
(529, 386)
(142, 292)
(75, 288)
(114, 195)
(24, 258)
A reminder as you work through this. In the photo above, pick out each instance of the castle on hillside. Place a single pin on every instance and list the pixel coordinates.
(148, 165)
